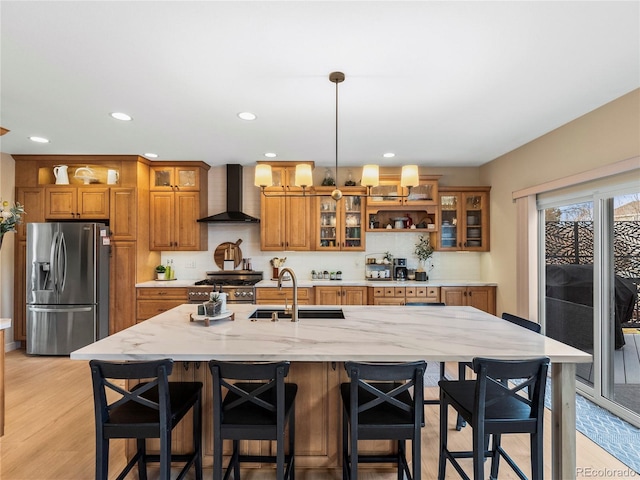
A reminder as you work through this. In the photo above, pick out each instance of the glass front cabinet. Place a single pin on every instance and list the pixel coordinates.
(338, 224)
(464, 219)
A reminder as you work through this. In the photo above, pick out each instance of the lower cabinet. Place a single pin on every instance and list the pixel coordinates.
(482, 298)
(122, 296)
(341, 295)
(20, 292)
(393, 295)
(153, 301)
(275, 296)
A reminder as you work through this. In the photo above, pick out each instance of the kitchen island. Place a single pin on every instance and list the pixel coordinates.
(367, 333)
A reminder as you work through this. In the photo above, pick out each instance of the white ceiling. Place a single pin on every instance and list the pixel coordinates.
(438, 83)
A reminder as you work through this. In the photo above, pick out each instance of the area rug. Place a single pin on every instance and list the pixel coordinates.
(614, 435)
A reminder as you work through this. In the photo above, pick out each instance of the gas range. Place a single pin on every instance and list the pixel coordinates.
(238, 284)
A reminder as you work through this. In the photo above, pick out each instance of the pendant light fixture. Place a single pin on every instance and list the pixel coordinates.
(370, 173)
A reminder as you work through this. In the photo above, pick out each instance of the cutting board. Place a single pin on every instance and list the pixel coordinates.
(228, 251)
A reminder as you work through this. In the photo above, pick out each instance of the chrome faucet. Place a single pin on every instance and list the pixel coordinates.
(294, 306)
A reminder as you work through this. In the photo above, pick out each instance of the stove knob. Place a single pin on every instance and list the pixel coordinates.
(249, 294)
(243, 294)
(237, 294)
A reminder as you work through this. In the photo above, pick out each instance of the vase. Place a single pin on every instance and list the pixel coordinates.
(211, 309)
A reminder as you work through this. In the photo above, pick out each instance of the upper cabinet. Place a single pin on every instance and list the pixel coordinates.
(285, 221)
(391, 207)
(175, 178)
(76, 203)
(32, 198)
(338, 225)
(390, 193)
(464, 214)
(178, 198)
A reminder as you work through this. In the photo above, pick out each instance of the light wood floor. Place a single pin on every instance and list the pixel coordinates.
(49, 433)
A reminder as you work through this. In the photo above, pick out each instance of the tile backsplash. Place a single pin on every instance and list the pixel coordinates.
(446, 265)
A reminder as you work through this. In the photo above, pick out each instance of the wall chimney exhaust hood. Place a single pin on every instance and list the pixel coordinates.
(234, 212)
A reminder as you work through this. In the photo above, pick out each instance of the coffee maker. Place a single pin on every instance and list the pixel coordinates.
(399, 268)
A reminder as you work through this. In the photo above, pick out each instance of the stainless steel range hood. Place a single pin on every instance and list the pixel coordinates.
(234, 213)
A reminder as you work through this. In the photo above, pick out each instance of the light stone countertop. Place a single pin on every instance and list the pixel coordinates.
(368, 333)
(166, 283)
(331, 283)
(5, 323)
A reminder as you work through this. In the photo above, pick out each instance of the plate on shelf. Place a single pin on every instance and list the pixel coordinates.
(207, 320)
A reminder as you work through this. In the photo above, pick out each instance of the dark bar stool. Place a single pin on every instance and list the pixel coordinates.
(493, 405)
(257, 409)
(509, 317)
(150, 409)
(378, 405)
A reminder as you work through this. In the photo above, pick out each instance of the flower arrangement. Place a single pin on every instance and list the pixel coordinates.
(423, 250)
(278, 262)
(11, 216)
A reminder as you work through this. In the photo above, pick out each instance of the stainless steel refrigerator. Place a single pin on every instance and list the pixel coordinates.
(67, 286)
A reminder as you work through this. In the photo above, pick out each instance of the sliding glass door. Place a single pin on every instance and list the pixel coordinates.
(590, 277)
(621, 269)
(568, 274)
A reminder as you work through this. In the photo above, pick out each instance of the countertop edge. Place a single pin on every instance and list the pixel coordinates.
(331, 283)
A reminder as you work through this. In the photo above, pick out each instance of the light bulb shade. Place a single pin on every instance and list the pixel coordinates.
(370, 176)
(263, 176)
(304, 178)
(410, 177)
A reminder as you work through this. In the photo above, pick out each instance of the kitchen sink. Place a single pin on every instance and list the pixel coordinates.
(302, 313)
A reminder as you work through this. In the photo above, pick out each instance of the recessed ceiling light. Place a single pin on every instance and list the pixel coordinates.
(121, 116)
(389, 155)
(39, 139)
(247, 116)
(151, 155)
(270, 155)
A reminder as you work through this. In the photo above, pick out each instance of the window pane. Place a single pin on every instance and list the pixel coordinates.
(569, 314)
(625, 339)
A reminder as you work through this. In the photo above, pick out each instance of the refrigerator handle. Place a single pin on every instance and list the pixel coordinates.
(62, 259)
(53, 263)
(58, 310)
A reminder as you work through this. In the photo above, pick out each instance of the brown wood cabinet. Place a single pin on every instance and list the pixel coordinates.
(33, 201)
(76, 203)
(275, 296)
(173, 177)
(395, 295)
(338, 225)
(177, 200)
(464, 213)
(339, 295)
(153, 301)
(123, 214)
(285, 222)
(482, 298)
(390, 201)
(125, 206)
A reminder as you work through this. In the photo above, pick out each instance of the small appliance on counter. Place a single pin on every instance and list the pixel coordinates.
(400, 269)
